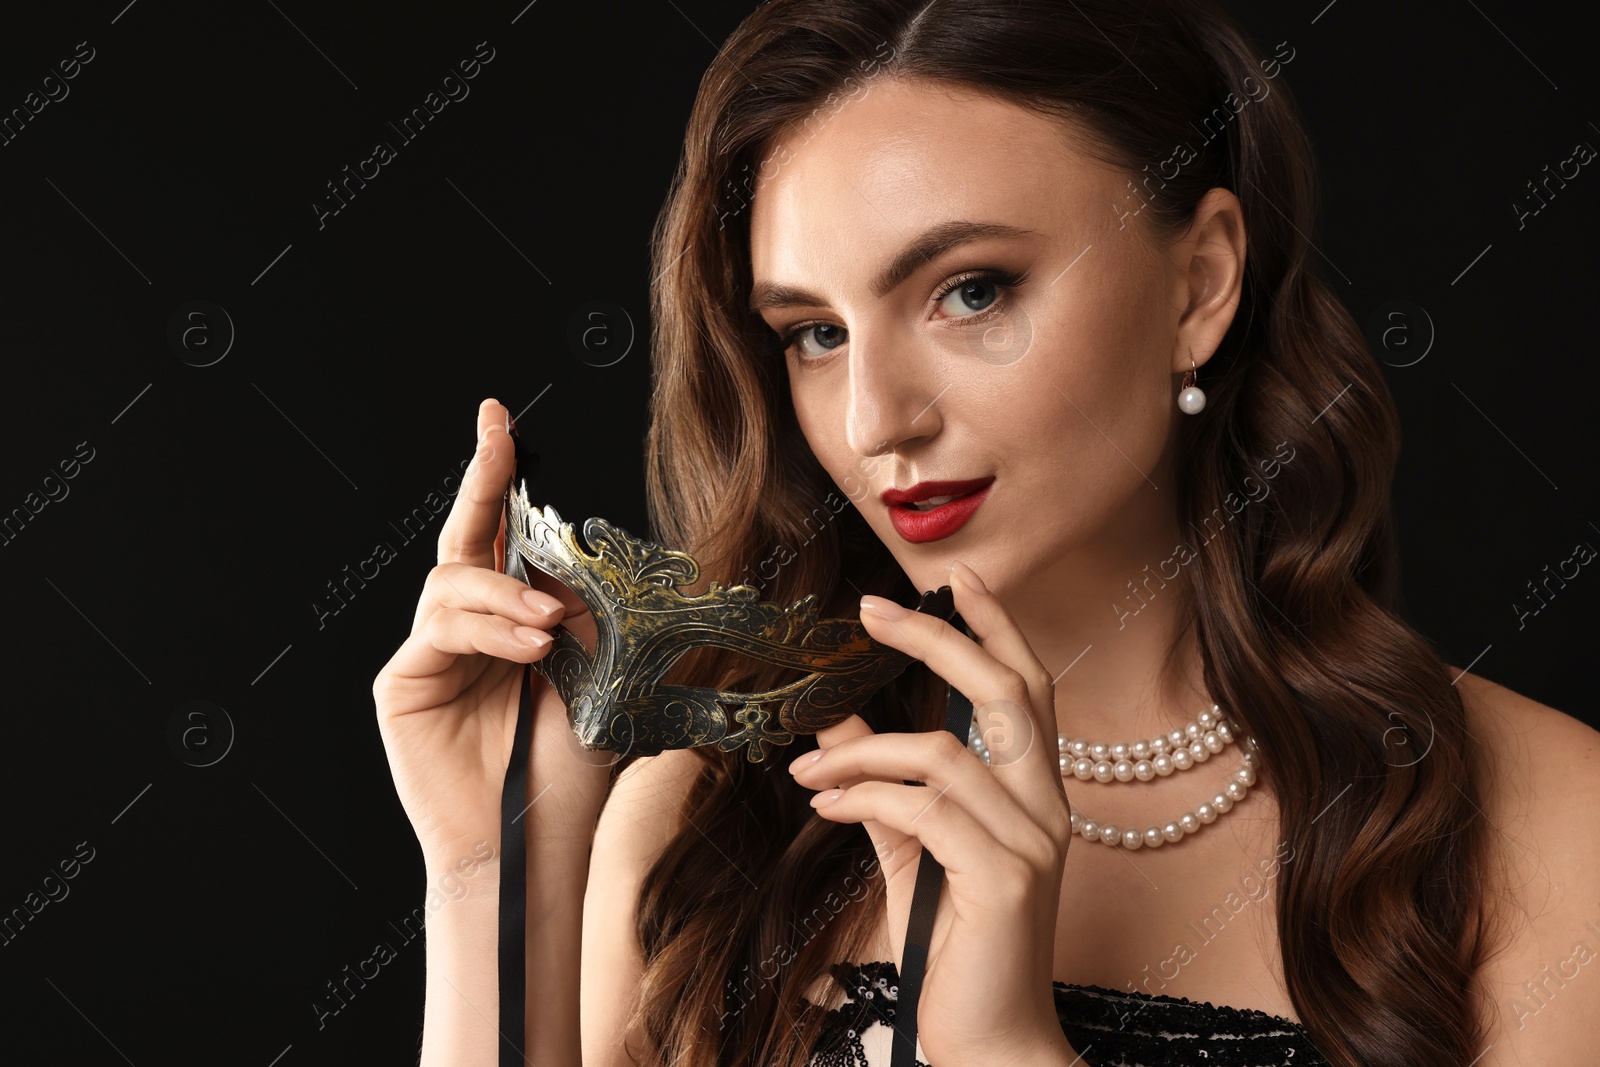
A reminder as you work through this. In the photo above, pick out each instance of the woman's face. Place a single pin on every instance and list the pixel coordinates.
(1035, 357)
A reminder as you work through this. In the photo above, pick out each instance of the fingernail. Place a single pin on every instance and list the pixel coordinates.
(529, 636)
(805, 761)
(537, 602)
(968, 576)
(883, 607)
(825, 798)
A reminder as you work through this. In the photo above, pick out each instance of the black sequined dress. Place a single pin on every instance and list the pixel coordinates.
(1108, 1027)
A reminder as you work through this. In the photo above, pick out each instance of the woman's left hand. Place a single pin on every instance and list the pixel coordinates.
(1000, 831)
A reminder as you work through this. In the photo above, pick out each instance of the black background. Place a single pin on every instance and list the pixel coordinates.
(185, 562)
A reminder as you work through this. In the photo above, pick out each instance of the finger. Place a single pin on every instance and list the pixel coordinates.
(975, 672)
(456, 585)
(942, 763)
(452, 632)
(885, 840)
(500, 531)
(943, 827)
(1007, 697)
(469, 531)
(997, 633)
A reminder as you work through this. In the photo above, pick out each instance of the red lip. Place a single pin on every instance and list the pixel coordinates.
(924, 490)
(940, 522)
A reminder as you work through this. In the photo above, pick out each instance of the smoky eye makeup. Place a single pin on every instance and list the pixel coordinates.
(1006, 282)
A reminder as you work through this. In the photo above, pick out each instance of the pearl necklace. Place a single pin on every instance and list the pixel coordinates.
(1143, 761)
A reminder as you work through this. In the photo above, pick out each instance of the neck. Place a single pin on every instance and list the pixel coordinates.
(1108, 622)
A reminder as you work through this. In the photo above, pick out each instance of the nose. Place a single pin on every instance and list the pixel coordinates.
(893, 397)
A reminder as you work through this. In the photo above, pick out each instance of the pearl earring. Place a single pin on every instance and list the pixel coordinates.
(1192, 398)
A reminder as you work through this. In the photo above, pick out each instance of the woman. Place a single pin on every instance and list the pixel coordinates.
(1053, 255)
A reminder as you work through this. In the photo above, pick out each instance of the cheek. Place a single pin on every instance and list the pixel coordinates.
(1076, 426)
(1101, 383)
(823, 433)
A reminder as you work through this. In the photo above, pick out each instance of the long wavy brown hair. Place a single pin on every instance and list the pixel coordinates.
(1381, 916)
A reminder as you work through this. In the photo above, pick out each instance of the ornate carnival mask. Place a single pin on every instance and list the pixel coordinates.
(644, 623)
(614, 702)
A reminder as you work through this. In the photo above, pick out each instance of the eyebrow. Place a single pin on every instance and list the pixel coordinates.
(929, 245)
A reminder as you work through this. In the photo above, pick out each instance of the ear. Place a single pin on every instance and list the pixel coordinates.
(1210, 261)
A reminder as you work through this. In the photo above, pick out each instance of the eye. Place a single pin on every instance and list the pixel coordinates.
(967, 295)
(825, 334)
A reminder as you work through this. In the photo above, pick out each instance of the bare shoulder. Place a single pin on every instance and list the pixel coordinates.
(1545, 763)
(1542, 795)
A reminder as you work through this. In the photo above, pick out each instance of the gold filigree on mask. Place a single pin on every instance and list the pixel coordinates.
(643, 623)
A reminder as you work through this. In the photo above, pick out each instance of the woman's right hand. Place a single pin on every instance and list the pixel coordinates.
(447, 699)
